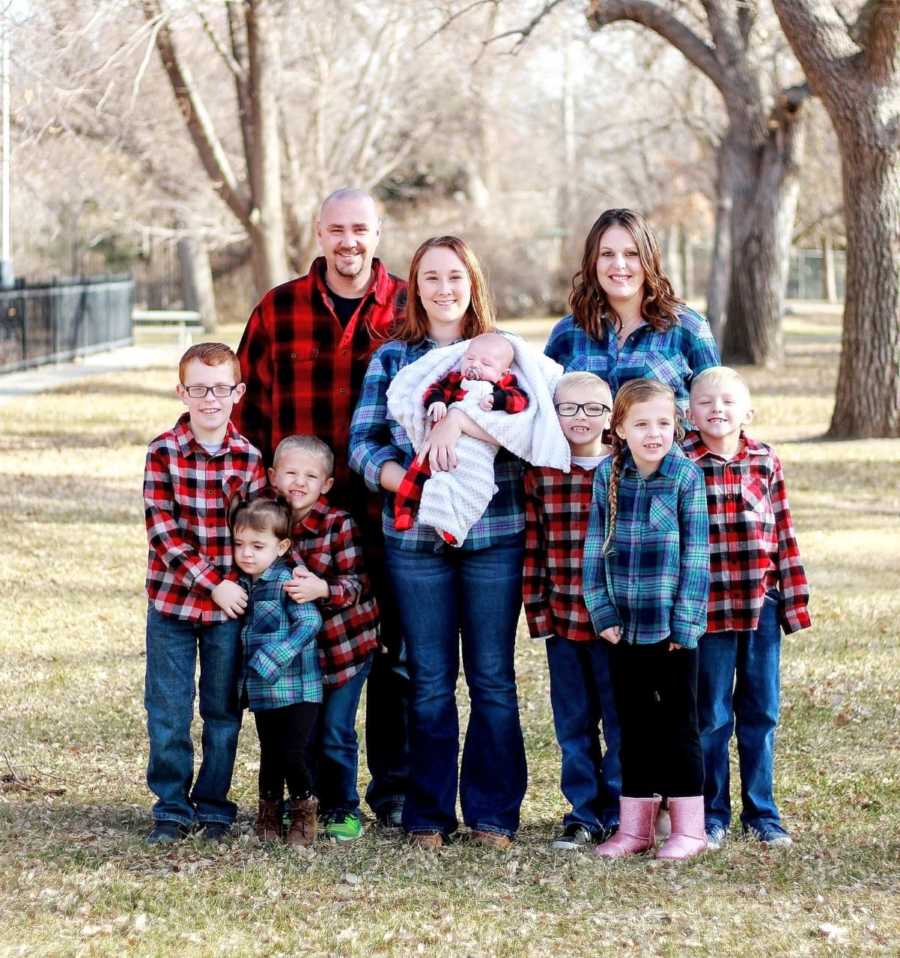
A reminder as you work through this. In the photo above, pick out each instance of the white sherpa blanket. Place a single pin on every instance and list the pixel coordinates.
(533, 434)
(453, 501)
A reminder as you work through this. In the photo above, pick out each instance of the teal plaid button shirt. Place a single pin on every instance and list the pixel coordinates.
(281, 657)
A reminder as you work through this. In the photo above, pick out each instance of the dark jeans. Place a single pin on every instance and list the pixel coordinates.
(283, 737)
(387, 695)
(656, 698)
(173, 647)
(739, 689)
(581, 696)
(333, 754)
(441, 596)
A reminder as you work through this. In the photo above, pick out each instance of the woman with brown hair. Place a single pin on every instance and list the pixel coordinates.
(626, 322)
(445, 594)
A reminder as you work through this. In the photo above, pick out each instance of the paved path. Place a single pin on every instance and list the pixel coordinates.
(43, 378)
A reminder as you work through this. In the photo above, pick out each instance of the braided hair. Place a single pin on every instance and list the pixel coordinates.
(633, 392)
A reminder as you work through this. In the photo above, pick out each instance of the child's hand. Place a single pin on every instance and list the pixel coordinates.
(305, 586)
(437, 411)
(612, 635)
(230, 598)
(487, 402)
(674, 645)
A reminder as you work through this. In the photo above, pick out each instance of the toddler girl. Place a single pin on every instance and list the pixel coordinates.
(646, 582)
(280, 677)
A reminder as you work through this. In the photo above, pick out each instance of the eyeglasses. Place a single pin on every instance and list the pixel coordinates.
(220, 391)
(591, 409)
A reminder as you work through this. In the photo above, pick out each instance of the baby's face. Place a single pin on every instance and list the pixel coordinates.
(487, 358)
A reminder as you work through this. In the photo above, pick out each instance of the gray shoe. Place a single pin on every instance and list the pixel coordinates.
(167, 833)
(573, 838)
(770, 834)
(715, 837)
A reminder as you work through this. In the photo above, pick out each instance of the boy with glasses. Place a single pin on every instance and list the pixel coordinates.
(195, 473)
(557, 506)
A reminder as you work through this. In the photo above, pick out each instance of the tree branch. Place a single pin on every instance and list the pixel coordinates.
(601, 13)
(197, 119)
(817, 35)
(454, 16)
(229, 61)
(523, 33)
(881, 42)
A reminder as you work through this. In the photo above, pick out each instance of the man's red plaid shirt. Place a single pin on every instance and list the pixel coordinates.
(557, 508)
(303, 370)
(187, 497)
(752, 547)
(327, 542)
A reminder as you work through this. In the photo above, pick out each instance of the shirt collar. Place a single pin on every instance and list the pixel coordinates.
(189, 445)
(379, 285)
(668, 467)
(748, 447)
(312, 521)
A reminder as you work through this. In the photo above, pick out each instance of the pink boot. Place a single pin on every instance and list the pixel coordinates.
(637, 817)
(688, 836)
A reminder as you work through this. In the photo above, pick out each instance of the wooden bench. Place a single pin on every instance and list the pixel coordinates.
(185, 322)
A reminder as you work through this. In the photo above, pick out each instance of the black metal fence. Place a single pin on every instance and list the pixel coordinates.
(58, 321)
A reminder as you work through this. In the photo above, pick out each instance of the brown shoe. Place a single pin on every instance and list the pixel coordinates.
(490, 839)
(268, 821)
(429, 840)
(302, 830)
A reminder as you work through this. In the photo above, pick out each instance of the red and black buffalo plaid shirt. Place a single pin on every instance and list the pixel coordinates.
(752, 547)
(187, 496)
(557, 509)
(327, 542)
(508, 397)
(304, 370)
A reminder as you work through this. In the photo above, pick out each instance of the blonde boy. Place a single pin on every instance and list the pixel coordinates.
(331, 573)
(757, 589)
(557, 506)
(194, 473)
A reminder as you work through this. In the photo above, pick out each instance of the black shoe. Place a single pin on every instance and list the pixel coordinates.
(167, 833)
(216, 832)
(391, 816)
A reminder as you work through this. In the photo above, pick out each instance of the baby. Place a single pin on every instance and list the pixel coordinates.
(483, 377)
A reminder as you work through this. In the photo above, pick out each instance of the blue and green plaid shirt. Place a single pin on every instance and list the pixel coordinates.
(673, 357)
(376, 438)
(281, 657)
(655, 582)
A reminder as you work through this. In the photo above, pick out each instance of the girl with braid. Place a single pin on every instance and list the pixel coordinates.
(646, 582)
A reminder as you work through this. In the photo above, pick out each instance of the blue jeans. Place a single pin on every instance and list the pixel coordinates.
(581, 696)
(172, 648)
(478, 594)
(739, 690)
(335, 747)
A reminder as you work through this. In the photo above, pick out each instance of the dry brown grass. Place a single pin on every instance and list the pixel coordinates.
(76, 879)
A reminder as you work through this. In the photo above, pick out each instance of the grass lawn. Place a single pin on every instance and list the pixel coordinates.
(76, 879)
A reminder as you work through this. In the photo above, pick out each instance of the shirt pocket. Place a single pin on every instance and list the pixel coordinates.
(757, 506)
(666, 370)
(663, 514)
(294, 354)
(318, 563)
(266, 616)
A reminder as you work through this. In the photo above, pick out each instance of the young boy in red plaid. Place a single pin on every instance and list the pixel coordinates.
(758, 588)
(194, 473)
(557, 507)
(330, 572)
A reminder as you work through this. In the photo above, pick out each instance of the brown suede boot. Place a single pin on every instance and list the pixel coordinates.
(302, 830)
(268, 821)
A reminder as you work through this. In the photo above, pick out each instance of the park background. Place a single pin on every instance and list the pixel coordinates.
(513, 123)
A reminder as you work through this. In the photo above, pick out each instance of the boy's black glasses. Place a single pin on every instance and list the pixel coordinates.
(591, 409)
(220, 391)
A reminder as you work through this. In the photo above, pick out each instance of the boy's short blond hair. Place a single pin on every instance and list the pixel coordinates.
(584, 379)
(720, 376)
(211, 354)
(310, 444)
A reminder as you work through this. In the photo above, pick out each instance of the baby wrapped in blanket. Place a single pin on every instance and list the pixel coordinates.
(480, 378)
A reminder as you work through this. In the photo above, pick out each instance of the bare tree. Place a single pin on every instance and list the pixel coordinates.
(855, 69)
(757, 160)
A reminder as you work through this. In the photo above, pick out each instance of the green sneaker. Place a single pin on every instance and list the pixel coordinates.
(346, 828)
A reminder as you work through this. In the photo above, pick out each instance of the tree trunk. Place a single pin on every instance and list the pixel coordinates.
(720, 261)
(766, 188)
(197, 281)
(868, 391)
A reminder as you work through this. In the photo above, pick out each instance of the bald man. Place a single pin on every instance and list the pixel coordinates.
(303, 356)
